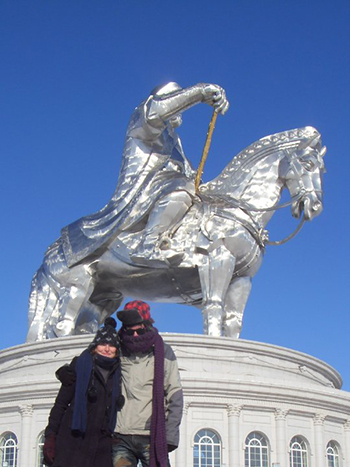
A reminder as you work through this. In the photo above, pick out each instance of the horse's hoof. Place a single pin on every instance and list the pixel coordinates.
(64, 328)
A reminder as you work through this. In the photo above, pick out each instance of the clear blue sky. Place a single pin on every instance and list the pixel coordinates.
(72, 72)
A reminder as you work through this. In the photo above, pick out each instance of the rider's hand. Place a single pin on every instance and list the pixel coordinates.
(215, 96)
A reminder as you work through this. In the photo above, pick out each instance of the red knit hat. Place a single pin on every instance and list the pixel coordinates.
(135, 312)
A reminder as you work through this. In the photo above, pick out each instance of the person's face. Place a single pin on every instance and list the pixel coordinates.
(106, 350)
(136, 330)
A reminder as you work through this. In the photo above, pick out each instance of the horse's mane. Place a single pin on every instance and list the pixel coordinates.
(239, 171)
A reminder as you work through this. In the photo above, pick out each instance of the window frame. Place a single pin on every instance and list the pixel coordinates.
(335, 454)
(304, 451)
(8, 444)
(39, 450)
(214, 451)
(258, 436)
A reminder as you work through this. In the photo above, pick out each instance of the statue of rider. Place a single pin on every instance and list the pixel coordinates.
(156, 181)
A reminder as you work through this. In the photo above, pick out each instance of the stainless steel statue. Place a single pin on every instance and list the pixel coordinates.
(159, 240)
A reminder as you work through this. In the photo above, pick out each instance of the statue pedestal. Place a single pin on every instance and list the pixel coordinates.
(232, 388)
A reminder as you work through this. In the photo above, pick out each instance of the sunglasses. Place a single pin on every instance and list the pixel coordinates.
(139, 332)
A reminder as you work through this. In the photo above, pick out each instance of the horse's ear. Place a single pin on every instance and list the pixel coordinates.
(307, 142)
(323, 151)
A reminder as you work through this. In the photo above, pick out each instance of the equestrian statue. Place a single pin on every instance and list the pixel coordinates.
(166, 237)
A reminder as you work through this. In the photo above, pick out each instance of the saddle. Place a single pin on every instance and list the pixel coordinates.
(173, 249)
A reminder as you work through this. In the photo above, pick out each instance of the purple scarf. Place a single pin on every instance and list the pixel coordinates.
(144, 344)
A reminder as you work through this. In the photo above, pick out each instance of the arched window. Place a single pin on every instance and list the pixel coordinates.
(333, 458)
(39, 451)
(207, 449)
(298, 455)
(256, 450)
(8, 450)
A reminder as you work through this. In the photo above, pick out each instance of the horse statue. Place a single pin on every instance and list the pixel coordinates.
(222, 239)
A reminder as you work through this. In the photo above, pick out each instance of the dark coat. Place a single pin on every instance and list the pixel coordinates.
(94, 448)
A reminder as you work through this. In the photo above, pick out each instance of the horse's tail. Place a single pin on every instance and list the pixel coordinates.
(38, 299)
(33, 299)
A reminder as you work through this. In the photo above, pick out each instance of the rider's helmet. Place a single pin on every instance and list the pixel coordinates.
(165, 89)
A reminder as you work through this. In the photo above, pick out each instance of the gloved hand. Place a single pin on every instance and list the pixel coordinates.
(171, 447)
(66, 375)
(120, 402)
(49, 449)
(215, 95)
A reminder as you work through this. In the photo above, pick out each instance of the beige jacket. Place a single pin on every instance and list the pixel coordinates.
(137, 384)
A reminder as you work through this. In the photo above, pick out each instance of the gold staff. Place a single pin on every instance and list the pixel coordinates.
(205, 150)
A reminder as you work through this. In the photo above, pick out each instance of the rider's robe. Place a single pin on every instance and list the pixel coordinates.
(153, 165)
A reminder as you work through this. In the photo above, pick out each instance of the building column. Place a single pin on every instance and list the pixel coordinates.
(181, 452)
(233, 412)
(24, 443)
(320, 449)
(281, 444)
(346, 452)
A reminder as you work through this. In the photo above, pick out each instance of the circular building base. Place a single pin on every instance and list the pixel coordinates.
(242, 399)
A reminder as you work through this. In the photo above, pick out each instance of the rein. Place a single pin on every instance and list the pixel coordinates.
(245, 206)
(286, 239)
(261, 234)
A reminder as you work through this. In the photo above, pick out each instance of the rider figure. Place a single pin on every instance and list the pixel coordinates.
(155, 180)
(171, 190)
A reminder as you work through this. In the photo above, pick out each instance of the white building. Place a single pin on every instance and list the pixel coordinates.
(247, 404)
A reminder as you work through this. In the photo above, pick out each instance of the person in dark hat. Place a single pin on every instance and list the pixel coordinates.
(147, 428)
(84, 415)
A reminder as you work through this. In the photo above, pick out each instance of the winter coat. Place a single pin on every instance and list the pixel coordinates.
(93, 449)
(137, 386)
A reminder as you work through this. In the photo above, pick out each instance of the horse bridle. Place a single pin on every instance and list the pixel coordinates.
(246, 208)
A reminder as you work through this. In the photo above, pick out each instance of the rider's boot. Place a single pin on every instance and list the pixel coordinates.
(157, 244)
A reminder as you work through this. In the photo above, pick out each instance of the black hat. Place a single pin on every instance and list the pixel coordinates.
(135, 312)
(106, 335)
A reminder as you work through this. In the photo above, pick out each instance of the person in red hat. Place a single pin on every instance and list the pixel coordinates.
(147, 427)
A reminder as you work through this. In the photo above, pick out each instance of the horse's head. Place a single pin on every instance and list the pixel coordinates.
(303, 169)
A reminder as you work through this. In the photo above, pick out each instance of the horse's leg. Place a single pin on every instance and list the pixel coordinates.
(42, 301)
(44, 294)
(69, 288)
(74, 294)
(215, 274)
(236, 300)
(58, 295)
(98, 306)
